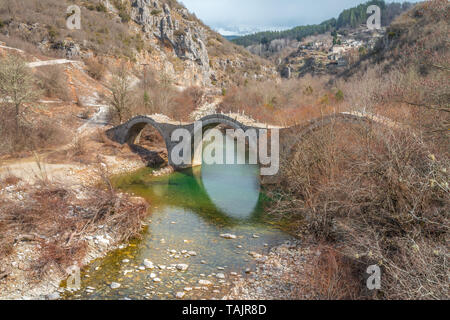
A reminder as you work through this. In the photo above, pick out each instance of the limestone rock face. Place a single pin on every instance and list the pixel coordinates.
(141, 14)
(186, 37)
(68, 48)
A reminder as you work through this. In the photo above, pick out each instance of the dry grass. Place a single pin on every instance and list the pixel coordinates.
(330, 276)
(53, 82)
(284, 103)
(380, 196)
(96, 68)
(55, 218)
(36, 135)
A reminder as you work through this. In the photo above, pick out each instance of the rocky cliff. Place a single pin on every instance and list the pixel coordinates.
(206, 57)
(173, 27)
(160, 33)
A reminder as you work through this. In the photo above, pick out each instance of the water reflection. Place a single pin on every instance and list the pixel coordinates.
(234, 189)
(221, 193)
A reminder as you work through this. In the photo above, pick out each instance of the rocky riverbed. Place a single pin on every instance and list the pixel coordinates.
(278, 275)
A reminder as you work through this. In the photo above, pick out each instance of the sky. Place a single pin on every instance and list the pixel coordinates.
(247, 16)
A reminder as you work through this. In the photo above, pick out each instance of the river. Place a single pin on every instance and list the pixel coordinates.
(190, 210)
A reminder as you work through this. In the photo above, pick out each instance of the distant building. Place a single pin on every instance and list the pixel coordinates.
(338, 49)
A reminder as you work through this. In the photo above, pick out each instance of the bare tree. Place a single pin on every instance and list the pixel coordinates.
(120, 86)
(16, 86)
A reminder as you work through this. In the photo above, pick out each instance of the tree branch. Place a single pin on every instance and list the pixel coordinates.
(428, 107)
(441, 67)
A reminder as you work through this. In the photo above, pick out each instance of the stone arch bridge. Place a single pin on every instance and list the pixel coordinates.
(130, 131)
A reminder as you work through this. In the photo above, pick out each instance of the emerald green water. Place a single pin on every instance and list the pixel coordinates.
(189, 212)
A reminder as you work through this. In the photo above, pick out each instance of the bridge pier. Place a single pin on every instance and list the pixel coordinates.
(130, 131)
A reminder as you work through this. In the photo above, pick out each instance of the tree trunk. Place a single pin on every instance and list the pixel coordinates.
(16, 133)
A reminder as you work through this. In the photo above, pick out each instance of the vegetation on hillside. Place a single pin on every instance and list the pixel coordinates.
(297, 33)
(352, 17)
(29, 24)
(378, 194)
(20, 128)
(356, 16)
(285, 102)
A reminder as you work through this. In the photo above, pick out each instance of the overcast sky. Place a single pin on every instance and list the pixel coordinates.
(264, 14)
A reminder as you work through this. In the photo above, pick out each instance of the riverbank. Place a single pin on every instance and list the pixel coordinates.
(279, 275)
(54, 215)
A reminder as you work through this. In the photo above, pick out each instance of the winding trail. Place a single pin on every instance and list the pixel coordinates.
(51, 63)
(98, 120)
(10, 48)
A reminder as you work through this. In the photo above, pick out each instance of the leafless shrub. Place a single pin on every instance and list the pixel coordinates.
(53, 82)
(120, 87)
(54, 217)
(285, 103)
(157, 94)
(186, 102)
(379, 195)
(16, 87)
(331, 276)
(36, 135)
(96, 68)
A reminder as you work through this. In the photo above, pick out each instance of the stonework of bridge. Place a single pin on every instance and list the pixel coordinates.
(130, 131)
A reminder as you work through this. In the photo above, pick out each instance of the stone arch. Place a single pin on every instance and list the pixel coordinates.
(210, 122)
(135, 126)
(129, 133)
(217, 119)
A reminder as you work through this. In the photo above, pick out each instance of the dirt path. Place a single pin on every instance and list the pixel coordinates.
(98, 120)
(51, 63)
(9, 48)
(35, 168)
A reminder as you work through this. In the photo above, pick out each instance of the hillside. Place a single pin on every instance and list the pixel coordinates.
(349, 18)
(369, 194)
(328, 48)
(160, 33)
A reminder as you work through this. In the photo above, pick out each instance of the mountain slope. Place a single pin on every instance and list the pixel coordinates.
(352, 17)
(159, 33)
